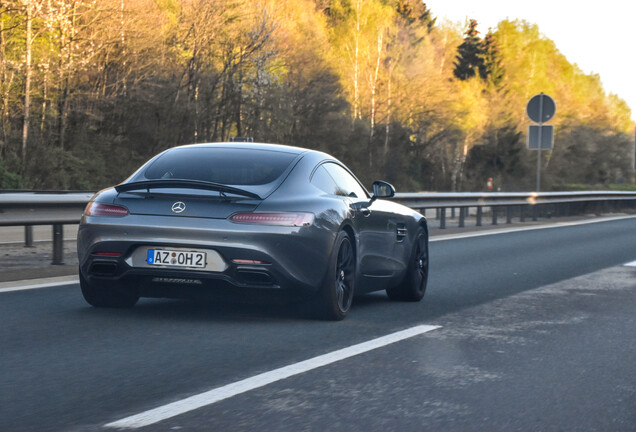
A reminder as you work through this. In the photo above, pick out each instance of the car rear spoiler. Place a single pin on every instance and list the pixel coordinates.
(186, 184)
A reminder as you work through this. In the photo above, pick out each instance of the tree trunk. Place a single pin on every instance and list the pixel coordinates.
(27, 83)
(123, 47)
(196, 111)
(45, 99)
(455, 167)
(356, 65)
(462, 164)
(373, 83)
(239, 105)
(7, 80)
(388, 114)
(62, 116)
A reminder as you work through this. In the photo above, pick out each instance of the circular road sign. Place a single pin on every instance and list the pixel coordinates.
(541, 108)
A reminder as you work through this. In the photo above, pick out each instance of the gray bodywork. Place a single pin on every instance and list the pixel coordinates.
(383, 233)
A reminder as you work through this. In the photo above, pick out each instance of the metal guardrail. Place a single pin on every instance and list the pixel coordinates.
(36, 208)
(43, 208)
(521, 204)
(60, 208)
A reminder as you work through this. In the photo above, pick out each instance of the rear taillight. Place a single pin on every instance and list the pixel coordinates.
(108, 254)
(249, 261)
(100, 209)
(281, 219)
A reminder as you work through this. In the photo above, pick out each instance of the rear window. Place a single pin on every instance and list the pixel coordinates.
(241, 167)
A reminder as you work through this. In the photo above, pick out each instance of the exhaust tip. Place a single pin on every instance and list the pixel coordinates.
(103, 269)
(251, 277)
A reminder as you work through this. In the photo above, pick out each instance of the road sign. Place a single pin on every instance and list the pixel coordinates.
(545, 133)
(541, 108)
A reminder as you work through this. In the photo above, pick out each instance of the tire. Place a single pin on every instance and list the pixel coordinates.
(413, 287)
(107, 294)
(336, 294)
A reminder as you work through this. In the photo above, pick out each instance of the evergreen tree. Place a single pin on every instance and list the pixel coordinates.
(415, 12)
(503, 157)
(492, 69)
(470, 54)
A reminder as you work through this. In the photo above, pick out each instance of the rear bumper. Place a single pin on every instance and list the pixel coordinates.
(296, 257)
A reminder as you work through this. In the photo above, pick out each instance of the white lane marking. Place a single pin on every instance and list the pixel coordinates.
(631, 264)
(220, 393)
(530, 228)
(38, 286)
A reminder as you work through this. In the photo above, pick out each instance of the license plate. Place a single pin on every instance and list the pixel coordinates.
(173, 258)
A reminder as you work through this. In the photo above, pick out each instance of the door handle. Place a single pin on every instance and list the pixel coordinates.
(360, 208)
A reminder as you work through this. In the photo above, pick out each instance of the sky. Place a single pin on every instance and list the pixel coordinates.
(597, 36)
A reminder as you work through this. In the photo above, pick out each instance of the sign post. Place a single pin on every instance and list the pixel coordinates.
(541, 108)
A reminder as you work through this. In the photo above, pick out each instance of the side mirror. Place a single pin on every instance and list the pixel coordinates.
(382, 189)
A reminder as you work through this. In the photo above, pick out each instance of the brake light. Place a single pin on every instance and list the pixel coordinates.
(248, 261)
(100, 209)
(281, 219)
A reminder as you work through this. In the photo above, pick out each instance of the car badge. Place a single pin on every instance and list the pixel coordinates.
(178, 207)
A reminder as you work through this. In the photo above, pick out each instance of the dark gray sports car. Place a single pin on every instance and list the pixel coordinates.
(250, 219)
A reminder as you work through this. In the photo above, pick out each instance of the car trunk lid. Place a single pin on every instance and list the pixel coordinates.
(206, 204)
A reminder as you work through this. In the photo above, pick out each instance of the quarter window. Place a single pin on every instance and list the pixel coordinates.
(323, 181)
(346, 184)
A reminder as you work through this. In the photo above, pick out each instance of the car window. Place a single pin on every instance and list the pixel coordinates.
(221, 165)
(323, 181)
(346, 184)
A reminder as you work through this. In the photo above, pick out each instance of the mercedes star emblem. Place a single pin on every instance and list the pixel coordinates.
(178, 207)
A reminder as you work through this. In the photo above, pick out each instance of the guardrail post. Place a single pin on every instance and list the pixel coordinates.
(522, 213)
(494, 215)
(58, 245)
(535, 210)
(453, 213)
(462, 216)
(508, 214)
(28, 236)
(442, 217)
(437, 213)
(479, 212)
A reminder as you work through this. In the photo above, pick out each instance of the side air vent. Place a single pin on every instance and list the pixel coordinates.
(401, 232)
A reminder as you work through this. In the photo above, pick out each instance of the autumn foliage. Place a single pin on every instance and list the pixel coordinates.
(90, 89)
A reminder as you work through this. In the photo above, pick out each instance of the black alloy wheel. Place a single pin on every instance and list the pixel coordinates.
(345, 273)
(413, 287)
(336, 295)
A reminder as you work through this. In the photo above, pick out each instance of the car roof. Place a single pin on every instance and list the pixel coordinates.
(249, 146)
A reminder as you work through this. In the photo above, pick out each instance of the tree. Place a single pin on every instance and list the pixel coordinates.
(110, 83)
(470, 54)
(492, 70)
(502, 156)
(415, 13)
(413, 25)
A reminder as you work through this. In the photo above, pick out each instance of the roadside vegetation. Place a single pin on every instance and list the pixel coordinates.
(89, 89)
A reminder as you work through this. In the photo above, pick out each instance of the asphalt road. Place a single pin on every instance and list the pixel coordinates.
(536, 334)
